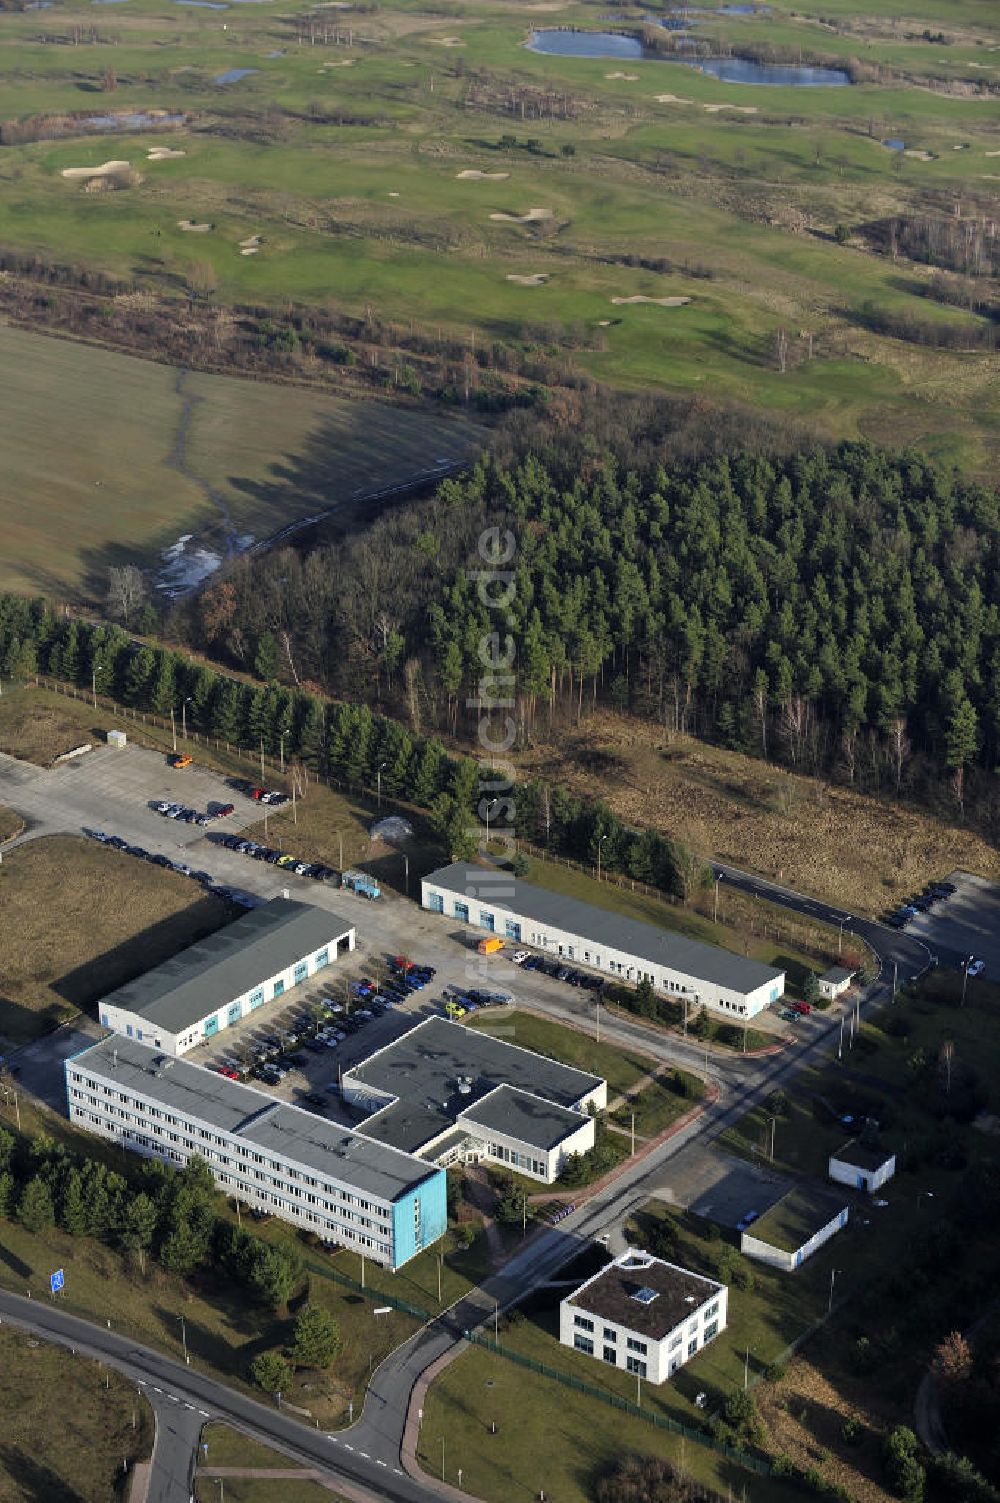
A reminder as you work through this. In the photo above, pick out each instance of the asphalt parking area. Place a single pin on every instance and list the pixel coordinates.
(141, 778)
(966, 923)
(719, 1187)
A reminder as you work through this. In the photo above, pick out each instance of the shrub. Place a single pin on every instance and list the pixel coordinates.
(270, 1372)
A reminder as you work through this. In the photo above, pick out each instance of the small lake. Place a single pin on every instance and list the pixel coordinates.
(233, 75)
(137, 120)
(781, 75)
(610, 44)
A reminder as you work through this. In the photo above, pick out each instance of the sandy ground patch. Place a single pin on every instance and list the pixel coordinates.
(448, 41)
(249, 250)
(251, 241)
(192, 228)
(472, 174)
(163, 154)
(921, 156)
(740, 109)
(106, 169)
(628, 77)
(993, 153)
(340, 62)
(533, 216)
(534, 279)
(661, 302)
(671, 99)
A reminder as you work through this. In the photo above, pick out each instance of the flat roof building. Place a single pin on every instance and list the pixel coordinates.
(861, 1166)
(494, 900)
(448, 1092)
(643, 1314)
(217, 981)
(792, 1229)
(342, 1185)
(834, 982)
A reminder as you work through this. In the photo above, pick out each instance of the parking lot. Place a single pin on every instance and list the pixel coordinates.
(719, 1187)
(966, 923)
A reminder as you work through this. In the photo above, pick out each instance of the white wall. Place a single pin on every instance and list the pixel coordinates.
(778, 1258)
(727, 1002)
(663, 1357)
(553, 1159)
(862, 1179)
(134, 1025)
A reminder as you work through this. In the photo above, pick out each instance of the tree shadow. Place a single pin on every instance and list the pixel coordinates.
(36, 1482)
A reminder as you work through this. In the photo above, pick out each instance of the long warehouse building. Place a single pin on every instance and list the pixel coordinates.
(629, 950)
(217, 981)
(343, 1186)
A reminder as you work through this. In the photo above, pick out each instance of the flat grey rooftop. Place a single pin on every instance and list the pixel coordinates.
(611, 1294)
(836, 974)
(861, 1156)
(440, 1070)
(500, 891)
(229, 963)
(521, 1115)
(273, 1126)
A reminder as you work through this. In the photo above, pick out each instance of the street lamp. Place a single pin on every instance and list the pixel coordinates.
(833, 1275)
(965, 975)
(715, 914)
(488, 806)
(746, 1370)
(184, 1340)
(600, 842)
(281, 750)
(184, 723)
(222, 1490)
(928, 1193)
(378, 776)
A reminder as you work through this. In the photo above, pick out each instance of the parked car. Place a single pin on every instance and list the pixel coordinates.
(180, 759)
(519, 957)
(747, 1220)
(802, 1007)
(223, 811)
(977, 967)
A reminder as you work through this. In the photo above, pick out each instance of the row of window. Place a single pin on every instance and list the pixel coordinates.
(519, 1160)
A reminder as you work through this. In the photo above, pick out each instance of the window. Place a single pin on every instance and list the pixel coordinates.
(233, 1015)
(712, 1330)
(487, 919)
(435, 902)
(322, 959)
(104, 1020)
(513, 929)
(611, 1355)
(636, 1365)
(583, 1344)
(279, 987)
(583, 1322)
(675, 1341)
(635, 1345)
(712, 1310)
(692, 1346)
(609, 1334)
(128, 1029)
(301, 971)
(462, 911)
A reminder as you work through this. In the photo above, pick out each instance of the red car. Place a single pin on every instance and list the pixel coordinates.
(256, 793)
(401, 964)
(228, 1072)
(803, 1007)
(223, 810)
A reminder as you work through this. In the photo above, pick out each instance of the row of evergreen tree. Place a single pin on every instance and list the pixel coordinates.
(157, 1211)
(347, 743)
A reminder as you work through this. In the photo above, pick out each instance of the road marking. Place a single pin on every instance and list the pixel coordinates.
(203, 1413)
(380, 1463)
(346, 1446)
(397, 1471)
(189, 1406)
(157, 1390)
(173, 1398)
(364, 1456)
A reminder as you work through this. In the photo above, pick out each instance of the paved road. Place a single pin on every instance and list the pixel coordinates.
(110, 790)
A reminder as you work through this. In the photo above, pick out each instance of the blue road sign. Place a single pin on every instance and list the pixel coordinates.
(57, 1280)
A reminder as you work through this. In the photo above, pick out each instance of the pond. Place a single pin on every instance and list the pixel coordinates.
(612, 44)
(233, 75)
(783, 75)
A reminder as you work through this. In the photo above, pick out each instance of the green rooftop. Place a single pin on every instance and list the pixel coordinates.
(796, 1217)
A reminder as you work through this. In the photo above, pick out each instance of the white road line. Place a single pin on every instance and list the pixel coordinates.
(173, 1398)
(364, 1456)
(397, 1471)
(380, 1463)
(189, 1406)
(157, 1390)
(346, 1446)
(203, 1413)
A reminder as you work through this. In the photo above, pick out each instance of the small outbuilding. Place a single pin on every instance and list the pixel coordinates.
(834, 982)
(117, 739)
(862, 1167)
(794, 1228)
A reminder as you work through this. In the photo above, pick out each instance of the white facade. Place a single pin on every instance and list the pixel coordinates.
(789, 1259)
(649, 1348)
(125, 1105)
(544, 1164)
(698, 974)
(870, 1172)
(223, 1013)
(833, 983)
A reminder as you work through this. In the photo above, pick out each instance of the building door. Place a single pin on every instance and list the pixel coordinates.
(211, 1026)
(279, 987)
(301, 971)
(487, 920)
(859, 1183)
(462, 912)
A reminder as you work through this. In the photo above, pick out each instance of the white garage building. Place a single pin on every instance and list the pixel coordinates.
(862, 1167)
(726, 983)
(214, 983)
(644, 1315)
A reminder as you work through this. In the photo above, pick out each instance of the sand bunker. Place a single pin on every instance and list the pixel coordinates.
(740, 109)
(251, 243)
(536, 279)
(671, 99)
(532, 217)
(921, 156)
(471, 173)
(341, 62)
(163, 154)
(448, 41)
(249, 250)
(192, 228)
(993, 153)
(393, 193)
(661, 302)
(106, 169)
(628, 77)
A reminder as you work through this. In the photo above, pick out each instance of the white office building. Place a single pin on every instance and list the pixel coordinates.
(232, 972)
(862, 1167)
(644, 1315)
(345, 1187)
(456, 1095)
(491, 899)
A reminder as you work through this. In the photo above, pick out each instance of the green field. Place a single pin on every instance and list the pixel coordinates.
(109, 458)
(345, 155)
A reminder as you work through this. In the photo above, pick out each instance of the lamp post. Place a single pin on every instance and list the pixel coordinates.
(715, 913)
(340, 847)
(600, 842)
(965, 975)
(746, 1370)
(173, 728)
(378, 780)
(895, 974)
(93, 679)
(840, 937)
(281, 750)
(184, 1340)
(222, 1490)
(184, 724)
(921, 1193)
(406, 874)
(833, 1276)
(488, 806)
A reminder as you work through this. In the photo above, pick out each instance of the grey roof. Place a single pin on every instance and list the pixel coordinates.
(836, 974)
(610, 1294)
(522, 1115)
(274, 1126)
(425, 1068)
(229, 963)
(861, 1156)
(502, 892)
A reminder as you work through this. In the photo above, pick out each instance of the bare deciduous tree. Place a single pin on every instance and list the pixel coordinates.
(126, 591)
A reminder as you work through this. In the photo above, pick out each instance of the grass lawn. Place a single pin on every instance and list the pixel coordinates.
(68, 1424)
(619, 1068)
(227, 1447)
(658, 1104)
(11, 824)
(142, 453)
(80, 920)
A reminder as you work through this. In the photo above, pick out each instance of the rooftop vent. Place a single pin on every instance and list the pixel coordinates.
(645, 1295)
